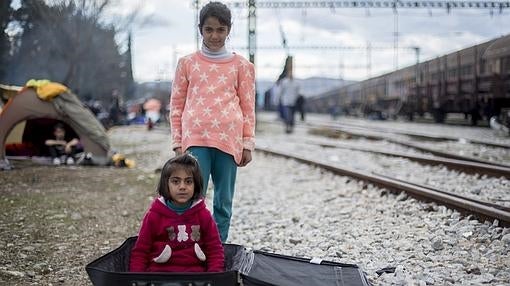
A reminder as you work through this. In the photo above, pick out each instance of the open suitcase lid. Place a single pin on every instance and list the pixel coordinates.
(243, 267)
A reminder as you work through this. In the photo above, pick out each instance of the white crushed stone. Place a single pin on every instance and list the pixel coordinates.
(464, 146)
(482, 187)
(290, 208)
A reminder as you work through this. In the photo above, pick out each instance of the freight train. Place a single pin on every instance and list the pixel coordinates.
(474, 81)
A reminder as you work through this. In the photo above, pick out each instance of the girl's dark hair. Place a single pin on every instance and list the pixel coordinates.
(59, 125)
(217, 10)
(189, 164)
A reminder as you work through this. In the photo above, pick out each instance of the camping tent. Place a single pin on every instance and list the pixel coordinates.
(25, 114)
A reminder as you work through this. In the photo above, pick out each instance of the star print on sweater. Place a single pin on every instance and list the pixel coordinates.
(213, 104)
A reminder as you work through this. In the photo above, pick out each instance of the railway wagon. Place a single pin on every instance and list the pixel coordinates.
(474, 81)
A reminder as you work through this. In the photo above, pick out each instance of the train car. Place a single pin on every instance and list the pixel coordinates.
(372, 98)
(474, 81)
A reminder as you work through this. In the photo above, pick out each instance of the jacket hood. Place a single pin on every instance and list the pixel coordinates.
(159, 206)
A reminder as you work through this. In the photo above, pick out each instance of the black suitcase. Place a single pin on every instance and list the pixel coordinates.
(243, 267)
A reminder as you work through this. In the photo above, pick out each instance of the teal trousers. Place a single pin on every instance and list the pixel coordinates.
(222, 168)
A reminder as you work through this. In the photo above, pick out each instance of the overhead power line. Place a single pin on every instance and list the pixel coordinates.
(448, 5)
(325, 47)
(252, 6)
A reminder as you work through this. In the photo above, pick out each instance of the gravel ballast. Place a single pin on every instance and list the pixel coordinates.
(55, 220)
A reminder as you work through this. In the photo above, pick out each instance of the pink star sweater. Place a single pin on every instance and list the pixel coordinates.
(213, 104)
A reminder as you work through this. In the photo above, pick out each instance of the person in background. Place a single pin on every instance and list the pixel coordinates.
(178, 233)
(62, 151)
(300, 106)
(289, 90)
(212, 110)
(150, 124)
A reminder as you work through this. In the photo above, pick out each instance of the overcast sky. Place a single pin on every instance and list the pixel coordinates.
(168, 33)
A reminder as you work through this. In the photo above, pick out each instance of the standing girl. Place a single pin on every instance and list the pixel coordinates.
(178, 233)
(212, 111)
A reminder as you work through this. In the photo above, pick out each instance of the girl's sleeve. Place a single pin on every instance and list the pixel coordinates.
(177, 103)
(246, 94)
(139, 260)
(214, 248)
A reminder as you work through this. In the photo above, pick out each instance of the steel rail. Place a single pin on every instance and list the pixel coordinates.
(466, 206)
(456, 164)
(504, 208)
(464, 163)
(421, 135)
(410, 145)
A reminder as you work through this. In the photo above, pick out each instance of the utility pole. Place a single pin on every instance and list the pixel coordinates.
(417, 104)
(197, 35)
(369, 59)
(395, 35)
(417, 71)
(252, 43)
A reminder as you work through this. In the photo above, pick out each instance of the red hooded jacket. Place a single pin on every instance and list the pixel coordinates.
(162, 226)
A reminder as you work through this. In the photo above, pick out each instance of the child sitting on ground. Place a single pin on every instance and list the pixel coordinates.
(178, 233)
(59, 148)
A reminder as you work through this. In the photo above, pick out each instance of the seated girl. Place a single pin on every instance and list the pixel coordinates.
(178, 233)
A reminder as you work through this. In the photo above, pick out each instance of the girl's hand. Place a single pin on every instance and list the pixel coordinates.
(68, 149)
(246, 158)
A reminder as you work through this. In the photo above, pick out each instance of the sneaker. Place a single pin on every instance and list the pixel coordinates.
(70, 161)
(84, 159)
(80, 159)
(56, 161)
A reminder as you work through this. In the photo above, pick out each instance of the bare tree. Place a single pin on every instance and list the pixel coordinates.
(66, 41)
(5, 16)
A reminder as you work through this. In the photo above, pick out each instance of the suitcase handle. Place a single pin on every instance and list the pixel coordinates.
(162, 283)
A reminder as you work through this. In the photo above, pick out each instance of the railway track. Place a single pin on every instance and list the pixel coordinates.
(468, 206)
(469, 167)
(373, 134)
(412, 134)
(492, 154)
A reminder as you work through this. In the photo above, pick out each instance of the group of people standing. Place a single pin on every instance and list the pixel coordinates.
(212, 117)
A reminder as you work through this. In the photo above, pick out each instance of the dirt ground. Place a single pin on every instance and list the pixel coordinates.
(55, 220)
